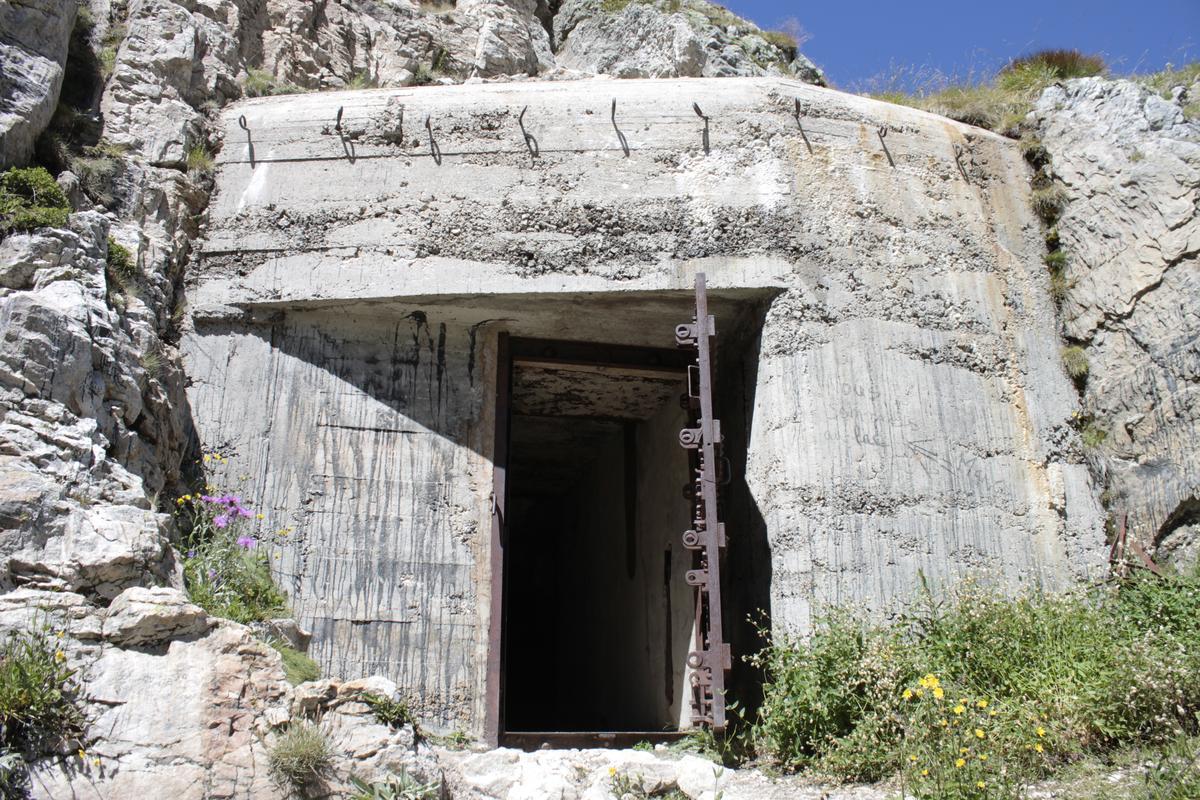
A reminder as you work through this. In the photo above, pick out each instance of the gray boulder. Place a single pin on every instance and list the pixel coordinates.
(33, 52)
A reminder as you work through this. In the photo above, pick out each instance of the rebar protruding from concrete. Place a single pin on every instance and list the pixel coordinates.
(434, 150)
(958, 154)
(704, 136)
(249, 142)
(338, 125)
(800, 125)
(620, 136)
(530, 141)
(883, 132)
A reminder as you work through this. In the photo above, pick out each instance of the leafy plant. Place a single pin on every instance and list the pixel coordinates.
(225, 569)
(300, 755)
(261, 83)
(1047, 679)
(393, 713)
(398, 787)
(362, 80)
(29, 199)
(38, 693)
(1175, 775)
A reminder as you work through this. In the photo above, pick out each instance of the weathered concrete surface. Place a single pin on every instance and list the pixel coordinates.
(904, 404)
(33, 50)
(1130, 163)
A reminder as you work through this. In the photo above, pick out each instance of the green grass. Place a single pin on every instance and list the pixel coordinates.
(38, 694)
(31, 199)
(261, 83)
(300, 755)
(1048, 202)
(298, 668)
(199, 160)
(1046, 680)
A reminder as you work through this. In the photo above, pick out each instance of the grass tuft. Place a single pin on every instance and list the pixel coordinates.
(199, 160)
(1060, 64)
(1076, 362)
(1048, 202)
(300, 755)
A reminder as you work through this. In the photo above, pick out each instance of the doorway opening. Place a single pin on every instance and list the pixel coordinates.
(598, 616)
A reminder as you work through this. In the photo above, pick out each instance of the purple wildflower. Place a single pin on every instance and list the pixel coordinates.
(212, 574)
(221, 520)
(248, 542)
(191, 554)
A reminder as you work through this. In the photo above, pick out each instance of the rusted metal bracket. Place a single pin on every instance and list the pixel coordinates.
(1117, 561)
(712, 659)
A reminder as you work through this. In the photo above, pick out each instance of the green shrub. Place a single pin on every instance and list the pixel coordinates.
(362, 80)
(1045, 679)
(1076, 362)
(224, 568)
(1055, 259)
(393, 713)
(300, 755)
(38, 691)
(397, 787)
(297, 667)
(29, 199)
(1059, 64)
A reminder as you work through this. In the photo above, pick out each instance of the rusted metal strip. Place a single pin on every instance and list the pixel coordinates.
(702, 438)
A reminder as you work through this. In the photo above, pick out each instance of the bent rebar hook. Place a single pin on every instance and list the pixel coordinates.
(800, 125)
(249, 142)
(530, 141)
(883, 132)
(704, 136)
(434, 150)
(620, 136)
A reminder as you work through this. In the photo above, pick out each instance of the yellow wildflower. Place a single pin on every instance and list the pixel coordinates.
(1038, 747)
(983, 756)
(943, 722)
(960, 762)
(920, 692)
(992, 713)
(907, 694)
(924, 772)
(612, 771)
(1041, 731)
(930, 681)
(912, 758)
(938, 693)
(81, 753)
(59, 655)
(958, 709)
(259, 516)
(60, 634)
(982, 703)
(95, 762)
(962, 751)
(980, 784)
(978, 733)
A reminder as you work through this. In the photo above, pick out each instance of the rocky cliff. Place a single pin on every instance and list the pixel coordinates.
(96, 432)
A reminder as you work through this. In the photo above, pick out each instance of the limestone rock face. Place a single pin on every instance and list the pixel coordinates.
(669, 39)
(1130, 164)
(139, 617)
(33, 50)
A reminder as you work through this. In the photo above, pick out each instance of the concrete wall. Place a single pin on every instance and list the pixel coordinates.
(904, 407)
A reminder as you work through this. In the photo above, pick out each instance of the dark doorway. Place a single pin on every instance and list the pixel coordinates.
(597, 614)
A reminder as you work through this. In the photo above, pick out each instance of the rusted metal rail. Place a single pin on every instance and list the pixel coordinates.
(711, 660)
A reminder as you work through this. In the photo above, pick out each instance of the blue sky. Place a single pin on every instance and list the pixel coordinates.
(861, 44)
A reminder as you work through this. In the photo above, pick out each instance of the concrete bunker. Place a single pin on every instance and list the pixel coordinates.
(895, 407)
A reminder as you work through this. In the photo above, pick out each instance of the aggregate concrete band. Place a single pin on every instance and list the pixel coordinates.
(897, 374)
